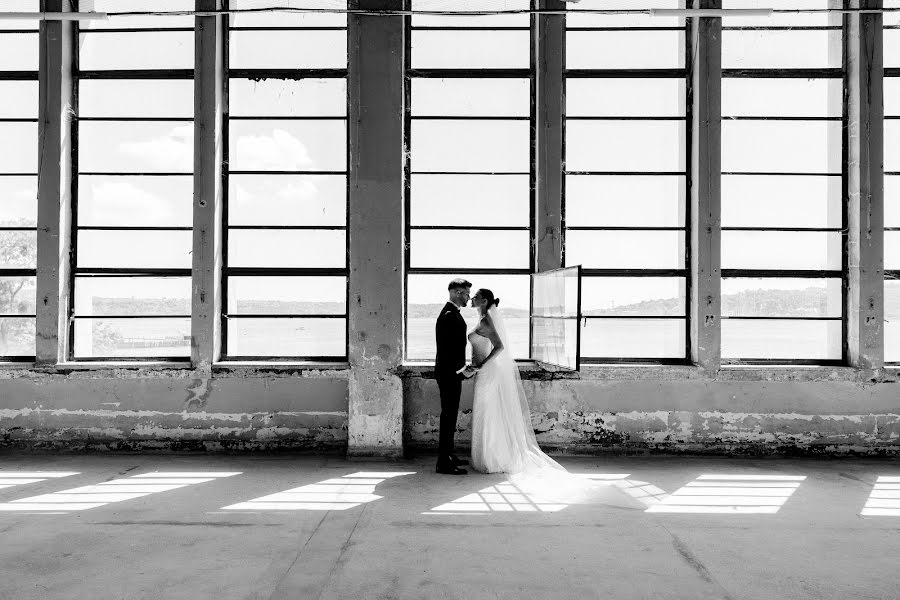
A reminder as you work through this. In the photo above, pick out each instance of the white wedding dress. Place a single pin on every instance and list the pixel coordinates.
(503, 439)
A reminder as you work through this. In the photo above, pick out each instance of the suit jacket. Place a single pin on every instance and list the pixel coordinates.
(450, 334)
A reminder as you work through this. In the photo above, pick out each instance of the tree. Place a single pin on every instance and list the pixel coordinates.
(18, 250)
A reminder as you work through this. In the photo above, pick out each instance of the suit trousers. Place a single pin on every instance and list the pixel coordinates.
(451, 389)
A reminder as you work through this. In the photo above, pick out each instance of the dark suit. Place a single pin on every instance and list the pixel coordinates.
(450, 334)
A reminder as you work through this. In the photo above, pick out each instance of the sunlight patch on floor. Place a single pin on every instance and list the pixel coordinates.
(339, 493)
(884, 501)
(10, 479)
(117, 490)
(731, 494)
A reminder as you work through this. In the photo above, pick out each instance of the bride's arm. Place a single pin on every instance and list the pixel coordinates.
(488, 331)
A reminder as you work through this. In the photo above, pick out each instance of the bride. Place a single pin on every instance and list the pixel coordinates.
(503, 439)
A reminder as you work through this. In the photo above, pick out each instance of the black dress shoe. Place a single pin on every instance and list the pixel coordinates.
(450, 470)
(459, 462)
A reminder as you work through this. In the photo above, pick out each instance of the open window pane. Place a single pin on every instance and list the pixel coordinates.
(781, 339)
(625, 200)
(803, 250)
(781, 49)
(18, 249)
(470, 49)
(633, 338)
(287, 97)
(475, 97)
(476, 249)
(19, 147)
(18, 99)
(111, 98)
(779, 97)
(18, 201)
(126, 296)
(135, 201)
(17, 296)
(128, 51)
(287, 248)
(283, 145)
(782, 297)
(471, 146)
(632, 146)
(132, 338)
(302, 295)
(630, 97)
(18, 337)
(633, 296)
(624, 49)
(287, 337)
(473, 200)
(781, 146)
(625, 249)
(303, 49)
(134, 249)
(287, 200)
(136, 147)
(804, 201)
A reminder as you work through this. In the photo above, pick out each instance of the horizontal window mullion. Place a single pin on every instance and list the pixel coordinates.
(287, 118)
(468, 118)
(623, 228)
(131, 228)
(132, 359)
(823, 73)
(285, 173)
(18, 75)
(634, 272)
(779, 274)
(782, 28)
(19, 31)
(142, 272)
(78, 317)
(18, 174)
(632, 316)
(623, 118)
(17, 316)
(626, 73)
(773, 118)
(469, 73)
(466, 28)
(785, 229)
(133, 29)
(644, 29)
(233, 316)
(289, 227)
(130, 174)
(472, 227)
(17, 272)
(600, 360)
(137, 74)
(780, 174)
(473, 271)
(18, 358)
(470, 173)
(137, 119)
(18, 120)
(623, 173)
(286, 271)
(777, 318)
(275, 359)
(298, 29)
(290, 74)
(18, 228)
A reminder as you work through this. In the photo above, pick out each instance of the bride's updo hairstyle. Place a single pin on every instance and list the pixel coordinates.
(489, 296)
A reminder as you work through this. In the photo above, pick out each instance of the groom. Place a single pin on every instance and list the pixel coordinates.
(450, 333)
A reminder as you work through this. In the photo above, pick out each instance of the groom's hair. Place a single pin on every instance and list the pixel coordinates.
(458, 284)
(489, 296)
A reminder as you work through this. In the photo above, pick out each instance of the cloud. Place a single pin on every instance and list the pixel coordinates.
(117, 202)
(172, 152)
(280, 151)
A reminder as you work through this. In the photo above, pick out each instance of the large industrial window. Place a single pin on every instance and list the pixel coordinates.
(892, 182)
(132, 216)
(625, 180)
(18, 181)
(469, 169)
(782, 215)
(286, 211)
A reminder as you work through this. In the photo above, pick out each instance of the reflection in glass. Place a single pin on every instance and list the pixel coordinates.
(280, 199)
(782, 297)
(781, 339)
(132, 338)
(125, 296)
(625, 200)
(287, 248)
(633, 338)
(633, 296)
(555, 293)
(435, 248)
(301, 295)
(134, 249)
(625, 249)
(287, 337)
(470, 200)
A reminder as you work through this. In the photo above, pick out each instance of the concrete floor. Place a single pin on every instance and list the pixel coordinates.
(402, 540)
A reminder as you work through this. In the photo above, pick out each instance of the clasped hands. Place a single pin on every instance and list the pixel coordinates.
(470, 371)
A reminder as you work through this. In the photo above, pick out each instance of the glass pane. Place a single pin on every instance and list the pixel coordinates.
(625, 201)
(805, 250)
(287, 248)
(426, 294)
(633, 296)
(782, 146)
(471, 97)
(127, 51)
(287, 199)
(471, 146)
(624, 97)
(20, 6)
(892, 320)
(637, 146)
(471, 49)
(302, 49)
(19, 150)
(18, 249)
(759, 97)
(785, 297)
(892, 145)
(797, 49)
(136, 98)
(625, 249)
(555, 341)
(633, 338)
(135, 249)
(573, 19)
(892, 48)
(136, 147)
(287, 337)
(891, 200)
(18, 201)
(782, 20)
(140, 22)
(287, 295)
(135, 201)
(892, 18)
(288, 19)
(18, 52)
(132, 338)
(435, 248)
(555, 293)
(17, 336)
(892, 96)
(282, 145)
(781, 339)
(287, 97)
(17, 296)
(125, 296)
(625, 50)
(463, 6)
(892, 250)
(19, 99)
(781, 201)
(474, 200)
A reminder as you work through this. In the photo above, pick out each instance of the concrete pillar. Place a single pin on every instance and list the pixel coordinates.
(549, 47)
(209, 147)
(54, 219)
(376, 229)
(864, 250)
(705, 85)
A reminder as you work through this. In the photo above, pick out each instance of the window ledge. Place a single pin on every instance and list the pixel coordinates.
(237, 365)
(116, 364)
